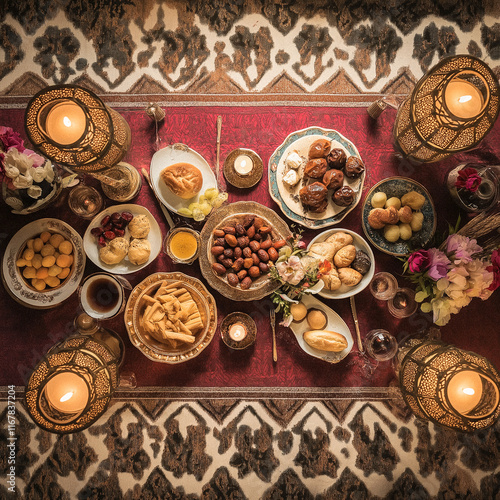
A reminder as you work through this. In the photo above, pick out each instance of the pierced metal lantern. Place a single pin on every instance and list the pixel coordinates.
(72, 385)
(448, 386)
(73, 127)
(450, 110)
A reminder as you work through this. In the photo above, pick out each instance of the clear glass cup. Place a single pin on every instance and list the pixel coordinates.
(403, 304)
(383, 286)
(85, 201)
(182, 245)
(102, 296)
(380, 345)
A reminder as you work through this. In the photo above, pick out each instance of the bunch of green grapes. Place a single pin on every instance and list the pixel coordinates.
(210, 199)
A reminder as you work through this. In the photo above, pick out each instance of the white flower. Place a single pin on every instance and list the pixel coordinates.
(11, 171)
(16, 159)
(22, 181)
(35, 191)
(38, 174)
(49, 171)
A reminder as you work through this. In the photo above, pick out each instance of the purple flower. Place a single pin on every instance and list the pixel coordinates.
(11, 139)
(461, 248)
(469, 179)
(438, 264)
(418, 261)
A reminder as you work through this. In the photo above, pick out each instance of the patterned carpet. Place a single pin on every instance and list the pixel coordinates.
(356, 444)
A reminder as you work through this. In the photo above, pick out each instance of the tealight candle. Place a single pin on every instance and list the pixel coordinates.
(243, 165)
(464, 391)
(463, 99)
(67, 392)
(403, 303)
(65, 123)
(237, 332)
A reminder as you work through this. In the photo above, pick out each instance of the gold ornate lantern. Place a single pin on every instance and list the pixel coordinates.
(450, 110)
(72, 385)
(451, 387)
(73, 127)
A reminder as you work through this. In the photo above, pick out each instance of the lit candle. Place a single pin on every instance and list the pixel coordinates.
(243, 164)
(67, 392)
(65, 123)
(237, 332)
(463, 99)
(464, 391)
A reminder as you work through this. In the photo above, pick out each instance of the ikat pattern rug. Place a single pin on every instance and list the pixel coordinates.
(183, 52)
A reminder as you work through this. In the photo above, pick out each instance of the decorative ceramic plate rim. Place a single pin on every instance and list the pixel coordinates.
(278, 156)
(215, 219)
(335, 323)
(125, 266)
(135, 336)
(375, 236)
(360, 244)
(178, 153)
(18, 288)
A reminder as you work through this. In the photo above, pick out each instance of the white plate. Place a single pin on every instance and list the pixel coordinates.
(288, 198)
(176, 153)
(91, 245)
(335, 324)
(360, 244)
(14, 282)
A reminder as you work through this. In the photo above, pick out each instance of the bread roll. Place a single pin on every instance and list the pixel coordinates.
(139, 251)
(325, 340)
(114, 252)
(139, 226)
(345, 256)
(339, 240)
(183, 179)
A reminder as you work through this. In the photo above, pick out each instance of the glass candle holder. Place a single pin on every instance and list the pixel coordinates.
(380, 345)
(85, 201)
(383, 286)
(403, 304)
(182, 245)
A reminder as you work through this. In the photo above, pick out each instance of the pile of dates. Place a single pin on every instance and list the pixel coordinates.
(243, 250)
(112, 226)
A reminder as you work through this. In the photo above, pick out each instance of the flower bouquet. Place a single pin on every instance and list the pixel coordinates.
(297, 274)
(29, 181)
(450, 276)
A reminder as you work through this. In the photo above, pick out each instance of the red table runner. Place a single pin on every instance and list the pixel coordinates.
(27, 334)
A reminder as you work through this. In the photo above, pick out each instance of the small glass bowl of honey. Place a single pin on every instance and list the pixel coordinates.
(182, 245)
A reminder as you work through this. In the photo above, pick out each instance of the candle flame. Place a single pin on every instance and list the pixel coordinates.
(67, 121)
(469, 391)
(70, 394)
(465, 98)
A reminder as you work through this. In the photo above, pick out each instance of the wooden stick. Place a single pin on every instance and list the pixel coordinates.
(217, 160)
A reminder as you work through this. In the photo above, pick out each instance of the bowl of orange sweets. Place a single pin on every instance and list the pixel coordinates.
(44, 263)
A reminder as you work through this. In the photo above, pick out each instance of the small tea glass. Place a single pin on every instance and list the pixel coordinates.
(102, 295)
(380, 345)
(403, 304)
(182, 239)
(85, 201)
(383, 286)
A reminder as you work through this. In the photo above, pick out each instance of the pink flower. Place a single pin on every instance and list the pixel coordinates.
(11, 139)
(438, 264)
(495, 269)
(461, 248)
(469, 179)
(418, 261)
(291, 271)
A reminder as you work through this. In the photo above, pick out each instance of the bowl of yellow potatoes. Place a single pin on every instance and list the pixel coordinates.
(44, 263)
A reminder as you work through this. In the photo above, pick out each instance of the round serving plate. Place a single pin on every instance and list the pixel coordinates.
(91, 245)
(347, 291)
(178, 153)
(145, 342)
(223, 216)
(15, 283)
(334, 323)
(288, 198)
(399, 186)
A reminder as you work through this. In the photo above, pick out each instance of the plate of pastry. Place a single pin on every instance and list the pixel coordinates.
(398, 215)
(347, 260)
(316, 176)
(43, 263)
(320, 331)
(179, 176)
(123, 239)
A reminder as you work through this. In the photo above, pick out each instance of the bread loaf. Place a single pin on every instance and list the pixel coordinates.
(183, 179)
(325, 340)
